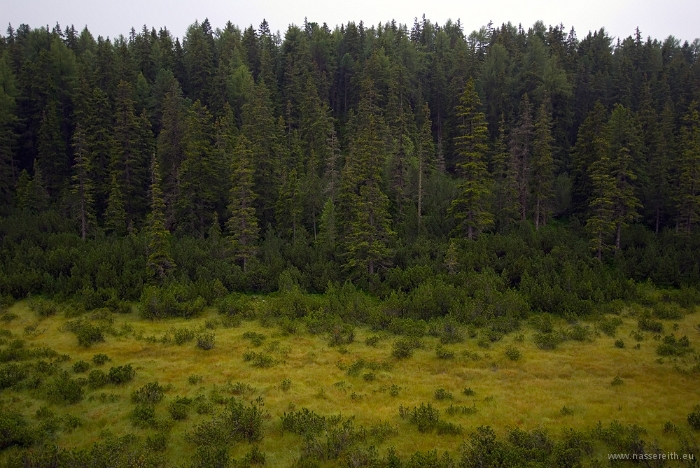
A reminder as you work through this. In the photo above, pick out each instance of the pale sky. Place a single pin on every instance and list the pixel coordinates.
(680, 18)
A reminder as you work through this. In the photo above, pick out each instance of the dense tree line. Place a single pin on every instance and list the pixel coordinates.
(558, 165)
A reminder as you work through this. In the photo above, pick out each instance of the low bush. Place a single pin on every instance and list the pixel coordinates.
(547, 341)
(403, 348)
(64, 390)
(206, 341)
(183, 335)
(303, 422)
(694, 418)
(143, 416)
(670, 346)
(258, 359)
(609, 325)
(121, 374)
(100, 359)
(647, 324)
(443, 353)
(87, 333)
(151, 393)
(442, 394)
(513, 353)
(12, 374)
(180, 408)
(97, 379)
(194, 379)
(256, 339)
(14, 430)
(341, 334)
(80, 367)
(425, 417)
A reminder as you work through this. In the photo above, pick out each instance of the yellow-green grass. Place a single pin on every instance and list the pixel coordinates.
(528, 393)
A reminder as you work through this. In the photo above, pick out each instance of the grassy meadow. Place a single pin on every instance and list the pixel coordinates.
(505, 384)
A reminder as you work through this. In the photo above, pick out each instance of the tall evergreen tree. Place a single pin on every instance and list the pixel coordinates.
(521, 152)
(160, 261)
(506, 204)
(542, 165)
(470, 208)
(82, 183)
(242, 224)
(363, 204)
(688, 186)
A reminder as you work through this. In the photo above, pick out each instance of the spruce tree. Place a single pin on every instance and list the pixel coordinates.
(688, 187)
(506, 205)
(82, 183)
(159, 262)
(115, 214)
(542, 165)
(601, 222)
(242, 224)
(521, 152)
(470, 208)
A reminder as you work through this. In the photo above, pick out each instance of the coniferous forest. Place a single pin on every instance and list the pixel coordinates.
(409, 181)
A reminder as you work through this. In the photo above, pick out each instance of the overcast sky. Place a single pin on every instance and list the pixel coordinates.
(680, 18)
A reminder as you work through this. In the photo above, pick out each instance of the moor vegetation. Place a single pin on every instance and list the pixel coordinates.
(362, 246)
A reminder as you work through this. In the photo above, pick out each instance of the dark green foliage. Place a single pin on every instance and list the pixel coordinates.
(87, 333)
(443, 353)
(236, 422)
(256, 339)
(286, 385)
(513, 353)
(174, 300)
(670, 346)
(14, 430)
(151, 393)
(64, 390)
(43, 308)
(403, 348)
(179, 408)
(425, 417)
(442, 394)
(12, 374)
(157, 443)
(121, 374)
(206, 341)
(647, 324)
(694, 418)
(303, 422)
(100, 359)
(143, 416)
(609, 325)
(547, 340)
(97, 379)
(619, 344)
(80, 367)
(183, 335)
(258, 359)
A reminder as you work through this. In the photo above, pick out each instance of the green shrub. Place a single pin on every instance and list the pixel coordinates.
(442, 353)
(80, 367)
(667, 311)
(121, 374)
(157, 442)
(254, 457)
(403, 348)
(442, 394)
(256, 339)
(578, 333)
(12, 374)
(647, 324)
(341, 334)
(670, 346)
(194, 379)
(206, 341)
(513, 353)
(100, 359)
(369, 377)
(448, 428)
(303, 422)
(180, 408)
(425, 417)
(151, 393)
(617, 381)
(547, 341)
(468, 392)
(143, 416)
(286, 385)
(43, 308)
(609, 325)
(694, 418)
(619, 344)
(183, 335)
(64, 390)
(372, 340)
(14, 430)
(258, 359)
(97, 379)
(452, 410)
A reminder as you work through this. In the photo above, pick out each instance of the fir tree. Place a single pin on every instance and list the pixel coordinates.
(688, 187)
(521, 152)
(115, 214)
(601, 223)
(470, 208)
(506, 205)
